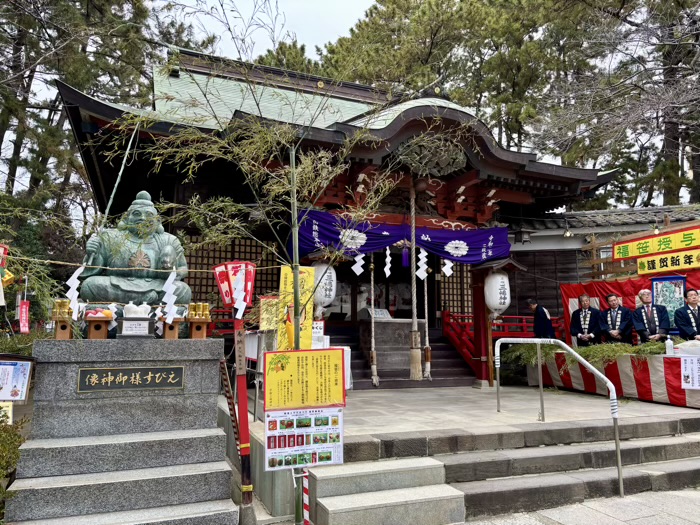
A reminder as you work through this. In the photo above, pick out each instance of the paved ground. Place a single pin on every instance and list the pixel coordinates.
(680, 507)
(473, 409)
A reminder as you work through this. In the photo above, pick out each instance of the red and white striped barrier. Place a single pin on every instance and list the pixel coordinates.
(306, 497)
(654, 378)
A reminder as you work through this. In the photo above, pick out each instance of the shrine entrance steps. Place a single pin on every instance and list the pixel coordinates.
(443, 477)
(448, 368)
(138, 457)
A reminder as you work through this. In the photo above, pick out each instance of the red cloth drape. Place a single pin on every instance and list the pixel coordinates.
(627, 289)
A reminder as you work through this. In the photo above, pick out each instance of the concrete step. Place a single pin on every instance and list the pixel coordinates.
(449, 441)
(372, 476)
(54, 457)
(428, 505)
(475, 466)
(220, 512)
(440, 371)
(445, 362)
(81, 494)
(391, 384)
(535, 492)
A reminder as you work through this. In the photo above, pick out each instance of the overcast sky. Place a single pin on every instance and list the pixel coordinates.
(314, 22)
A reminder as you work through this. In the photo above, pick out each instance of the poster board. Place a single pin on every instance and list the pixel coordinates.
(303, 438)
(669, 292)
(304, 379)
(15, 374)
(690, 373)
(268, 312)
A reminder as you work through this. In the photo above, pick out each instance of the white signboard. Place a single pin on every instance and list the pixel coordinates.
(690, 373)
(303, 438)
(317, 329)
(133, 327)
(14, 380)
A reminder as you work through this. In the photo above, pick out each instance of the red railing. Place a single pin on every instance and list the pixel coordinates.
(221, 323)
(459, 330)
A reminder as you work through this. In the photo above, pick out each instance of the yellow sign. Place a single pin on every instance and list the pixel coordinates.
(268, 313)
(285, 308)
(671, 262)
(8, 279)
(304, 379)
(657, 244)
(6, 408)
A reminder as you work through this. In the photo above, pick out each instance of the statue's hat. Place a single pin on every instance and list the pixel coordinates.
(142, 200)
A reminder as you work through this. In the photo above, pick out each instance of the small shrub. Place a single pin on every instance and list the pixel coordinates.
(10, 440)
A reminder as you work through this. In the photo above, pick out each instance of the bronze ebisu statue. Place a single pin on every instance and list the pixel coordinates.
(131, 254)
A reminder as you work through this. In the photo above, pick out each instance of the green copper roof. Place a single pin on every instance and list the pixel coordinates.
(210, 101)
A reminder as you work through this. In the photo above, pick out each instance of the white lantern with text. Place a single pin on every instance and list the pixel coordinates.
(325, 282)
(497, 291)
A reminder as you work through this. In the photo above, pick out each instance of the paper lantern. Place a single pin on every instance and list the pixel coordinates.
(226, 274)
(325, 282)
(497, 291)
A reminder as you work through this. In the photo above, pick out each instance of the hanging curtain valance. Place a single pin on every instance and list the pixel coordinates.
(321, 230)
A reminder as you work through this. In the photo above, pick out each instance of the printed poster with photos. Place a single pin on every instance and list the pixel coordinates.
(303, 438)
(690, 373)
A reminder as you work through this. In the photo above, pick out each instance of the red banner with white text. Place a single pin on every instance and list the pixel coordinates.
(24, 317)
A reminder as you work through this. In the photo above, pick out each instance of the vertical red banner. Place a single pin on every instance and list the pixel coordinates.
(24, 317)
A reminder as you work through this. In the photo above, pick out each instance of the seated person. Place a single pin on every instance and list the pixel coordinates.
(686, 318)
(617, 321)
(651, 321)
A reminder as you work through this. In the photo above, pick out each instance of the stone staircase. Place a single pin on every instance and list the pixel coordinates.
(448, 368)
(446, 477)
(396, 492)
(81, 468)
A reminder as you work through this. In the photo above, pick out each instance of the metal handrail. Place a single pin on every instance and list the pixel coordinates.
(590, 367)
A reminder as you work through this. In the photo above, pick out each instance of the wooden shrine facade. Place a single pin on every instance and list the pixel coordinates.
(489, 181)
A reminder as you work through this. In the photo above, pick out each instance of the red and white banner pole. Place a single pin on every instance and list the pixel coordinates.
(306, 497)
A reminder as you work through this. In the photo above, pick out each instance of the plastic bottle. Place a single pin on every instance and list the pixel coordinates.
(669, 346)
(131, 310)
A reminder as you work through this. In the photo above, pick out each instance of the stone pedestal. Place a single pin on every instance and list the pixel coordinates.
(392, 339)
(142, 447)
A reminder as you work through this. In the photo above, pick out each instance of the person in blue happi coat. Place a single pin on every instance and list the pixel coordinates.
(617, 321)
(651, 321)
(542, 321)
(686, 318)
(585, 323)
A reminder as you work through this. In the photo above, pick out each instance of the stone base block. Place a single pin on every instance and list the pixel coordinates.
(431, 505)
(57, 457)
(222, 512)
(100, 417)
(128, 490)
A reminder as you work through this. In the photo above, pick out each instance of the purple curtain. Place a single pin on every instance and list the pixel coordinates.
(322, 230)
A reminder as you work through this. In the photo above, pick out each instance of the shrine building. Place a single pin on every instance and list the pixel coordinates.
(487, 189)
